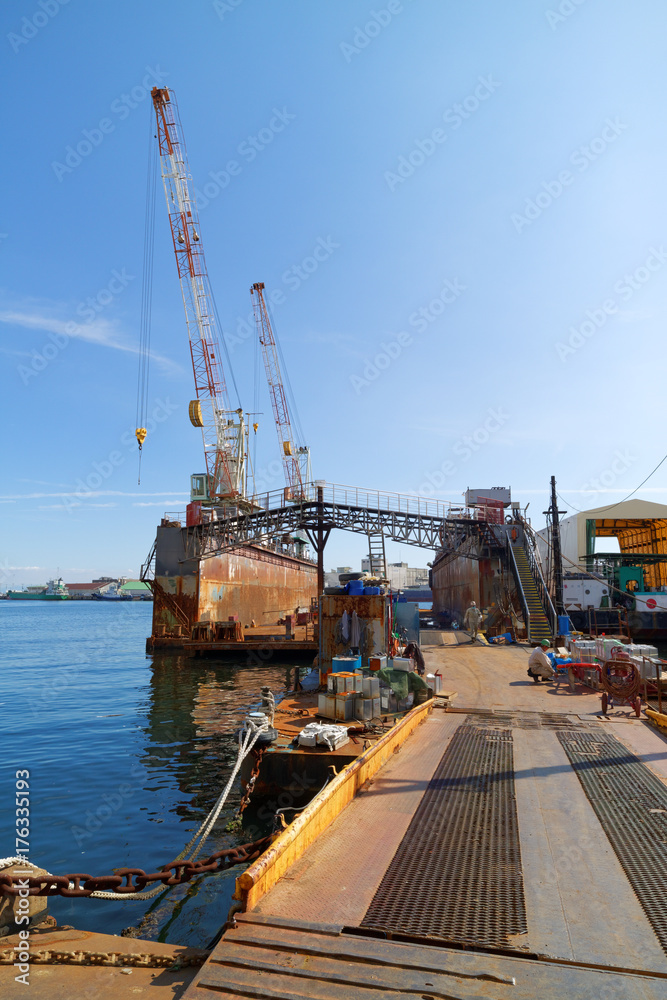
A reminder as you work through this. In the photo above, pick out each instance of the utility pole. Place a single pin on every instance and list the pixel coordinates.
(556, 553)
(318, 531)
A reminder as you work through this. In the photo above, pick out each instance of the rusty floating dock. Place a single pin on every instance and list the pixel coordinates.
(261, 643)
(480, 858)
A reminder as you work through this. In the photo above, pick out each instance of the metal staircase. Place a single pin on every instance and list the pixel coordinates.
(538, 623)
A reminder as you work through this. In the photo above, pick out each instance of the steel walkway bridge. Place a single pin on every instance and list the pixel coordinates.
(400, 517)
(324, 506)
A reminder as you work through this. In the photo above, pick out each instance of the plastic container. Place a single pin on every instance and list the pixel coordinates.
(355, 588)
(371, 591)
(564, 625)
(345, 664)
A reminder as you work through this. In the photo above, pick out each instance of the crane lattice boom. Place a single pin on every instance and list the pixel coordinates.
(224, 437)
(292, 455)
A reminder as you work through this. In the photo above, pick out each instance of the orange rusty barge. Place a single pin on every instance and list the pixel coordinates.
(212, 603)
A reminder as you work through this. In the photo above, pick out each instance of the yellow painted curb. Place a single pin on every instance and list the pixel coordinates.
(657, 718)
(263, 874)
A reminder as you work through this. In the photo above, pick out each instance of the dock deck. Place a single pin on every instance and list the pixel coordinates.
(263, 641)
(514, 847)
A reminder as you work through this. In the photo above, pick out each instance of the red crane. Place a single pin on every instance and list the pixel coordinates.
(223, 429)
(295, 458)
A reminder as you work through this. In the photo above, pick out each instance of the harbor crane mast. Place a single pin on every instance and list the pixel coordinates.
(223, 429)
(295, 458)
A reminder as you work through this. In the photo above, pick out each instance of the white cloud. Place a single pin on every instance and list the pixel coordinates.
(100, 331)
(89, 493)
(153, 503)
(57, 506)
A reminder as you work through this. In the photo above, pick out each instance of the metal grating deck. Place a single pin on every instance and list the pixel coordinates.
(631, 804)
(528, 720)
(456, 875)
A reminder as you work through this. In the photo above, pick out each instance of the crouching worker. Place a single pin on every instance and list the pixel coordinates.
(539, 664)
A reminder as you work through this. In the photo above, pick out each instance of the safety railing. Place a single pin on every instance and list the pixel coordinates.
(522, 596)
(401, 503)
(542, 590)
(347, 496)
(175, 515)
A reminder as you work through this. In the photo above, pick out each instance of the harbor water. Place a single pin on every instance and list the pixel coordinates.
(126, 757)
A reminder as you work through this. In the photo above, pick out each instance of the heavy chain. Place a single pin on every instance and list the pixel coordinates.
(257, 754)
(183, 871)
(117, 958)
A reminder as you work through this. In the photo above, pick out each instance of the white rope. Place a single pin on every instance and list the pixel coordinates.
(250, 734)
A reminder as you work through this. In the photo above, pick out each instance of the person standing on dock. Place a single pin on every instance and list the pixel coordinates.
(539, 664)
(472, 620)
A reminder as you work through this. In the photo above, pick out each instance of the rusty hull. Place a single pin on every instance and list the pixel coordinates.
(457, 580)
(250, 582)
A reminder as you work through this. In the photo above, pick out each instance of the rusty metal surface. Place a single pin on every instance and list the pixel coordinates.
(372, 614)
(64, 972)
(248, 582)
(266, 957)
(579, 903)
(456, 875)
(363, 839)
(631, 805)
(647, 742)
(456, 580)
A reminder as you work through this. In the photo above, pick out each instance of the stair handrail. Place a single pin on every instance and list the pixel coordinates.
(522, 596)
(536, 570)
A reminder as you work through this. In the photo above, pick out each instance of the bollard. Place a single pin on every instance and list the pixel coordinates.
(14, 909)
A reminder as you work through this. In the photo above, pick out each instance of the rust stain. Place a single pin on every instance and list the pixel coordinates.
(456, 581)
(250, 583)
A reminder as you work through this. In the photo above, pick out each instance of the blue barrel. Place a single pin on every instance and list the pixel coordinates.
(564, 624)
(355, 587)
(370, 591)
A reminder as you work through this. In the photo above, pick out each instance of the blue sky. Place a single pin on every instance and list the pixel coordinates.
(483, 184)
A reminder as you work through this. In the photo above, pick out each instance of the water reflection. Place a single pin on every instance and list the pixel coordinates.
(193, 710)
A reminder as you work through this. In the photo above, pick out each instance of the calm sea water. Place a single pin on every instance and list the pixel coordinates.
(126, 756)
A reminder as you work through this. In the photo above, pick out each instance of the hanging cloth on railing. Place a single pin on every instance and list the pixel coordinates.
(355, 631)
(345, 628)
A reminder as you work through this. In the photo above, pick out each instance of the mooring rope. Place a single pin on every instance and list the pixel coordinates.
(250, 734)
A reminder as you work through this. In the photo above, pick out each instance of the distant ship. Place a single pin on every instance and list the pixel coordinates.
(114, 593)
(55, 590)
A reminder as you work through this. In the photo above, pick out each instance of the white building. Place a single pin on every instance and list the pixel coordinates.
(604, 541)
(400, 575)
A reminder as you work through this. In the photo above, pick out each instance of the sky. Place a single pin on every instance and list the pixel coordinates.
(462, 206)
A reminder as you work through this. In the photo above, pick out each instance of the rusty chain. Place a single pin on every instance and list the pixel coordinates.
(184, 871)
(257, 754)
(109, 958)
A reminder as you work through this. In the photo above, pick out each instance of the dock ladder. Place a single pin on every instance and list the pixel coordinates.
(377, 560)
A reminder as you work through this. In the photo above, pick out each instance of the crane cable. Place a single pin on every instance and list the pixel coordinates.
(146, 295)
(284, 371)
(255, 408)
